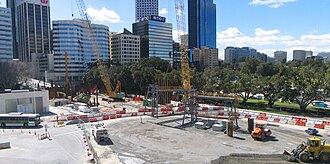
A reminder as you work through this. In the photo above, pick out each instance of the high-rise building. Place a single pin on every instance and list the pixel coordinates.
(125, 47)
(235, 54)
(156, 37)
(301, 54)
(325, 55)
(145, 8)
(11, 5)
(202, 23)
(280, 56)
(6, 35)
(176, 55)
(32, 27)
(205, 57)
(72, 37)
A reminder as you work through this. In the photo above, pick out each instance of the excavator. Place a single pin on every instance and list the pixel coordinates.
(311, 150)
(112, 93)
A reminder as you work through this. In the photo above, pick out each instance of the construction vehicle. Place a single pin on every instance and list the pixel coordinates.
(100, 133)
(311, 131)
(314, 149)
(260, 132)
(112, 93)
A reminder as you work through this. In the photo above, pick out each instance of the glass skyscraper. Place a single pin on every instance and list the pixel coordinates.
(156, 37)
(6, 35)
(31, 20)
(202, 24)
(71, 37)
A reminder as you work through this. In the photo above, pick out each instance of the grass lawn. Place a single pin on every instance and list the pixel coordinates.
(283, 108)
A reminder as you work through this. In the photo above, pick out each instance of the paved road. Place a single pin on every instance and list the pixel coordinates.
(65, 147)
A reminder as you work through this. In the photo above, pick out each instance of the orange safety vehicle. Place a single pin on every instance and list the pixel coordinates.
(260, 132)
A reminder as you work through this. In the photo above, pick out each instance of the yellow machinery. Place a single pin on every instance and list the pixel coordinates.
(68, 86)
(115, 94)
(313, 149)
(181, 27)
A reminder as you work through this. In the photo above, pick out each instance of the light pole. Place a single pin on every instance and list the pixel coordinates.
(34, 99)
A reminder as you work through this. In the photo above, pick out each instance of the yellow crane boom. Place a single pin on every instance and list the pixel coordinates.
(181, 27)
(96, 51)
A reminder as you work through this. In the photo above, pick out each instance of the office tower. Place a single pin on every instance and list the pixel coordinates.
(301, 54)
(202, 23)
(156, 37)
(280, 56)
(6, 35)
(325, 55)
(205, 57)
(32, 27)
(125, 47)
(145, 8)
(235, 54)
(72, 37)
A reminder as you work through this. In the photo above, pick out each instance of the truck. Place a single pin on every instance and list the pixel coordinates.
(100, 133)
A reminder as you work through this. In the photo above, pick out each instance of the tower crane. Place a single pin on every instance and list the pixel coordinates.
(112, 93)
(181, 27)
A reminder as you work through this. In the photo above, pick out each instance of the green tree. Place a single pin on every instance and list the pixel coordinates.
(245, 85)
(306, 85)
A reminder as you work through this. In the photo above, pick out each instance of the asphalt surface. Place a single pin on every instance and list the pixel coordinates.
(65, 146)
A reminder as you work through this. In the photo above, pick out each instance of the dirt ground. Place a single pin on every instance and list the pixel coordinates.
(161, 141)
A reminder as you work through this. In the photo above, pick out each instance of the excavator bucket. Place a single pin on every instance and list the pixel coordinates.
(291, 157)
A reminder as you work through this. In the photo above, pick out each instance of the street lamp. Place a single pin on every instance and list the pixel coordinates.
(34, 99)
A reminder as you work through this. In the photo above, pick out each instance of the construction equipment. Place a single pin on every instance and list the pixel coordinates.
(311, 131)
(68, 86)
(260, 132)
(112, 93)
(100, 133)
(314, 149)
(181, 27)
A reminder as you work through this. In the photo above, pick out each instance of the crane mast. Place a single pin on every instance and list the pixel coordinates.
(96, 52)
(181, 27)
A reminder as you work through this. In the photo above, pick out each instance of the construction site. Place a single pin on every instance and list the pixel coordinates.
(174, 124)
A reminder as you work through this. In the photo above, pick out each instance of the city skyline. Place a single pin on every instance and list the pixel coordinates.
(257, 24)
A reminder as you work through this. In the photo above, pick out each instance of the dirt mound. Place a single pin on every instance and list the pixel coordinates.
(252, 159)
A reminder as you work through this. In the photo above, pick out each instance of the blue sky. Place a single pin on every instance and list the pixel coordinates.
(266, 25)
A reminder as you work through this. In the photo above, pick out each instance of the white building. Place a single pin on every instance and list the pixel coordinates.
(24, 101)
(280, 56)
(6, 35)
(125, 47)
(145, 8)
(206, 57)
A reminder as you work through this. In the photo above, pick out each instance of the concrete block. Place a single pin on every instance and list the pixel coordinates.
(271, 119)
(218, 127)
(310, 123)
(327, 127)
(200, 125)
(283, 121)
(4, 145)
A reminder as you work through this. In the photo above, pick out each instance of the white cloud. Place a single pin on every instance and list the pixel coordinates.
(163, 11)
(103, 15)
(271, 3)
(176, 34)
(268, 41)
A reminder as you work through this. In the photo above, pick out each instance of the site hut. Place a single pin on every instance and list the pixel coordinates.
(24, 101)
